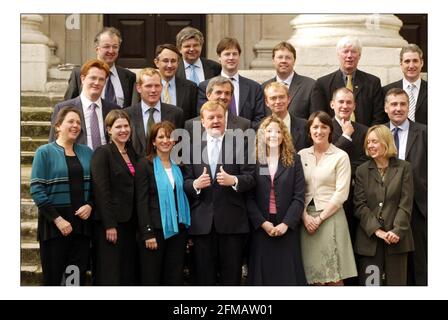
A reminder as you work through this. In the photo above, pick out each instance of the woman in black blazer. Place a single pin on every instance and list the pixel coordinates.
(383, 204)
(275, 207)
(113, 173)
(163, 211)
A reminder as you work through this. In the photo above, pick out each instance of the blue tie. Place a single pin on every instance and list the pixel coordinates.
(396, 139)
(214, 156)
(193, 74)
(109, 94)
(232, 106)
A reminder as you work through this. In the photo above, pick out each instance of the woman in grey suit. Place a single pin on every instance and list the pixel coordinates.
(275, 207)
(383, 204)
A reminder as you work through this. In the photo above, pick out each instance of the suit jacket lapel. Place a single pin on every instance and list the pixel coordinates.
(244, 91)
(391, 171)
(412, 135)
(122, 76)
(423, 92)
(294, 87)
(82, 139)
(374, 171)
(116, 154)
(280, 169)
(139, 126)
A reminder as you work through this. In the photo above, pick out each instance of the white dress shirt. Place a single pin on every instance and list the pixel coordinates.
(157, 116)
(236, 90)
(199, 70)
(99, 113)
(119, 95)
(402, 138)
(416, 91)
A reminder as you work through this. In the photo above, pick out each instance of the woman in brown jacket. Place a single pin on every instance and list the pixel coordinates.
(383, 204)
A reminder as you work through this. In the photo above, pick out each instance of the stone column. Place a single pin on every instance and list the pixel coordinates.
(274, 28)
(35, 54)
(316, 35)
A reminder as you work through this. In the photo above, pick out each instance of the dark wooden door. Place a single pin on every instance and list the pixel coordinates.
(415, 30)
(141, 34)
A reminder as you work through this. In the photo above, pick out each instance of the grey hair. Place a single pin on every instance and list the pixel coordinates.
(349, 40)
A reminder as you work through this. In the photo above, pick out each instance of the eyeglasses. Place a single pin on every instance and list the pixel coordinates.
(108, 47)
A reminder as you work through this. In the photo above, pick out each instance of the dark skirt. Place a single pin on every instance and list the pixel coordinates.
(276, 261)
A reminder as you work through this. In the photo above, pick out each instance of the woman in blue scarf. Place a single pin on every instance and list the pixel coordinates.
(163, 211)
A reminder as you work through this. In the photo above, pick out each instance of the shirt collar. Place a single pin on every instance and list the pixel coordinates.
(416, 83)
(146, 107)
(211, 139)
(197, 63)
(287, 80)
(113, 70)
(172, 82)
(235, 77)
(404, 126)
(86, 102)
(344, 75)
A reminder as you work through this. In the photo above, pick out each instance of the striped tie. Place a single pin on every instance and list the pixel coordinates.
(193, 75)
(412, 101)
(94, 127)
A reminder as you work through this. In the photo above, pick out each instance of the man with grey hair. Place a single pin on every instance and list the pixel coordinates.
(411, 63)
(366, 87)
(120, 83)
(189, 41)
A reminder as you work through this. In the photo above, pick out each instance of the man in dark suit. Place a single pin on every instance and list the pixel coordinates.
(277, 100)
(412, 145)
(189, 41)
(411, 62)
(150, 110)
(247, 100)
(216, 181)
(299, 87)
(93, 108)
(366, 87)
(120, 82)
(219, 89)
(348, 136)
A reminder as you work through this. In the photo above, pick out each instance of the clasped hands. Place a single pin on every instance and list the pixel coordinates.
(65, 227)
(276, 231)
(389, 237)
(311, 223)
(222, 177)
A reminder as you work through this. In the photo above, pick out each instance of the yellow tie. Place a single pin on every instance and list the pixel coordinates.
(166, 94)
(349, 85)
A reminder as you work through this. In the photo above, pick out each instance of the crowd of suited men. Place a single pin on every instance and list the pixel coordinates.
(105, 209)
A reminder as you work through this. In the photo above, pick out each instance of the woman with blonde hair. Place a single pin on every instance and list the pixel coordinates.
(274, 208)
(383, 204)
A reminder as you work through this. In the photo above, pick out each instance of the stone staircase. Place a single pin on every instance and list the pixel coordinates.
(36, 110)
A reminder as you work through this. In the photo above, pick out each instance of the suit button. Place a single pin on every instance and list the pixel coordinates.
(380, 204)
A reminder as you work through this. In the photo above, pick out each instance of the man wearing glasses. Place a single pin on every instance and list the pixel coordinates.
(119, 85)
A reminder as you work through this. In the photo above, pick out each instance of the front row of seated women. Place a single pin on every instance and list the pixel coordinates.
(139, 208)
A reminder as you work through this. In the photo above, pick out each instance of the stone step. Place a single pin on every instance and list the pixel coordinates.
(26, 157)
(35, 128)
(32, 143)
(29, 253)
(36, 113)
(28, 210)
(31, 275)
(25, 175)
(58, 86)
(36, 99)
(28, 230)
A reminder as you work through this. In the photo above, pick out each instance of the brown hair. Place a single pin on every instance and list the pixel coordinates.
(385, 138)
(284, 45)
(412, 47)
(60, 117)
(94, 63)
(188, 33)
(324, 118)
(395, 92)
(227, 43)
(114, 115)
(167, 46)
(169, 128)
(218, 81)
(287, 150)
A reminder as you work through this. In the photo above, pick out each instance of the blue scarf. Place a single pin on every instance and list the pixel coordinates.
(168, 211)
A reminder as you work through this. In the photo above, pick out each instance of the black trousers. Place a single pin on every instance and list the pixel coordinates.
(115, 263)
(392, 268)
(218, 254)
(58, 253)
(418, 260)
(165, 265)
